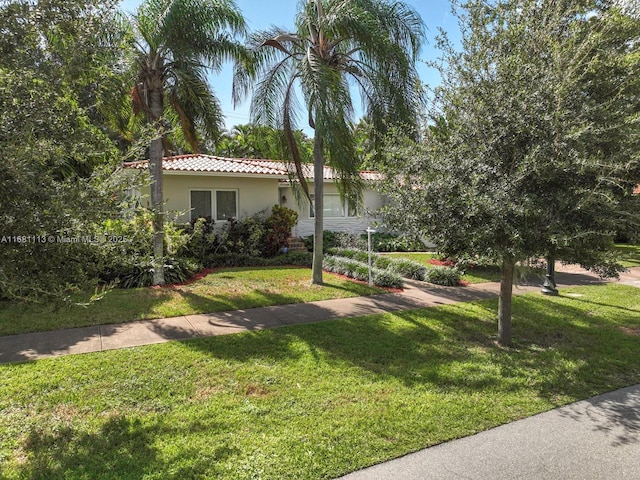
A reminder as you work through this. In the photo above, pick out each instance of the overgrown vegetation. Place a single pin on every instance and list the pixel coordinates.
(261, 236)
(58, 171)
(312, 401)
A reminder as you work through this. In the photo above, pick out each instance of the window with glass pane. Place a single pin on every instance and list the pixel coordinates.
(226, 205)
(333, 206)
(200, 204)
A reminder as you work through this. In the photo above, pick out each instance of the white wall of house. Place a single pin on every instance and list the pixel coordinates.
(254, 194)
(334, 219)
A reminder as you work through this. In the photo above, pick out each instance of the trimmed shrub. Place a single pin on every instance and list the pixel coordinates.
(328, 241)
(391, 242)
(382, 262)
(446, 276)
(403, 266)
(337, 240)
(385, 278)
(349, 240)
(407, 268)
(352, 253)
(360, 271)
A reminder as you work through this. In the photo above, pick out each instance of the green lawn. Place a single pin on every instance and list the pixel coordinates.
(630, 255)
(225, 289)
(474, 275)
(312, 401)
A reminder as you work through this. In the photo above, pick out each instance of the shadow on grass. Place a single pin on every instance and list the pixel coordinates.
(630, 254)
(121, 448)
(562, 352)
(87, 336)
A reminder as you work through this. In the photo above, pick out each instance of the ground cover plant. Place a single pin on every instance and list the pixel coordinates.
(360, 271)
(312, 401)
(388, 270)
(224, 289)
(480, 274)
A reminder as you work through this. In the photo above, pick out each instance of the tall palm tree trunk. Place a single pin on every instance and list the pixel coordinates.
(157, 200)
(318, 190)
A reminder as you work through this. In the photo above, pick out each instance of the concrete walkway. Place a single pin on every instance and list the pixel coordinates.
(594, 439)
(34, 346)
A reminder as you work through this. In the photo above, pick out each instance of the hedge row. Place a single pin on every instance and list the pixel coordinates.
(360, 271)
(404, 267)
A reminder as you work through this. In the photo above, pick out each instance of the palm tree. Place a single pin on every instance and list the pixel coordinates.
(175, 43)
(371, 45)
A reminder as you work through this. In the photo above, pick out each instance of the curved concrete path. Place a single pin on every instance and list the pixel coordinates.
(34, 346)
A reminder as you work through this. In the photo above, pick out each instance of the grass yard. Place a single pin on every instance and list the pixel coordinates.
(312, 401)
(630, 255)
(222, 290)
(475, 275)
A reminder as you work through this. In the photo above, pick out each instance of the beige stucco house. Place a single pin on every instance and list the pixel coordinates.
(222, 188)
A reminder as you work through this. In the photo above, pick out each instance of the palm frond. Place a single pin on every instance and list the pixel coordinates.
(176, 43)
(372, 44)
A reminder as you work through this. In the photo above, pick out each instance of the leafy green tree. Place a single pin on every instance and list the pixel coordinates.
(174, 44)
(337, 44)
(57, 172)
(534, 145)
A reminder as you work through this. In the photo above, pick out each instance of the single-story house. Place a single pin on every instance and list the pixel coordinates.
(198, 185)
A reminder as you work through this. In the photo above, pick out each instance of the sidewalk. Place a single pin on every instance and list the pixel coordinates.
(597, 438)
(34, 346)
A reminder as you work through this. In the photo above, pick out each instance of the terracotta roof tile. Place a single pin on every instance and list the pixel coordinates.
(214, 164)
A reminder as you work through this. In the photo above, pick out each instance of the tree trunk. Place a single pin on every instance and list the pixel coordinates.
(504, 305)
(318, 206)
(157, 193)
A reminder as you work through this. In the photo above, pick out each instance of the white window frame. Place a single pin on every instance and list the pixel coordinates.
(214, 206)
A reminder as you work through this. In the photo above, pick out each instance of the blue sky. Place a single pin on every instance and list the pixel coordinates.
(261, 14)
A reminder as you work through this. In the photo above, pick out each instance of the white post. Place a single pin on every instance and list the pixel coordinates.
(369, 232)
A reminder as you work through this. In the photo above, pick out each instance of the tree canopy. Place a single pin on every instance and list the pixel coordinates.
(259, 141)
(57, 168)
(533, 147)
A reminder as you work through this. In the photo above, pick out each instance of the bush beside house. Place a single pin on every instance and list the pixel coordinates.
(258, 240)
